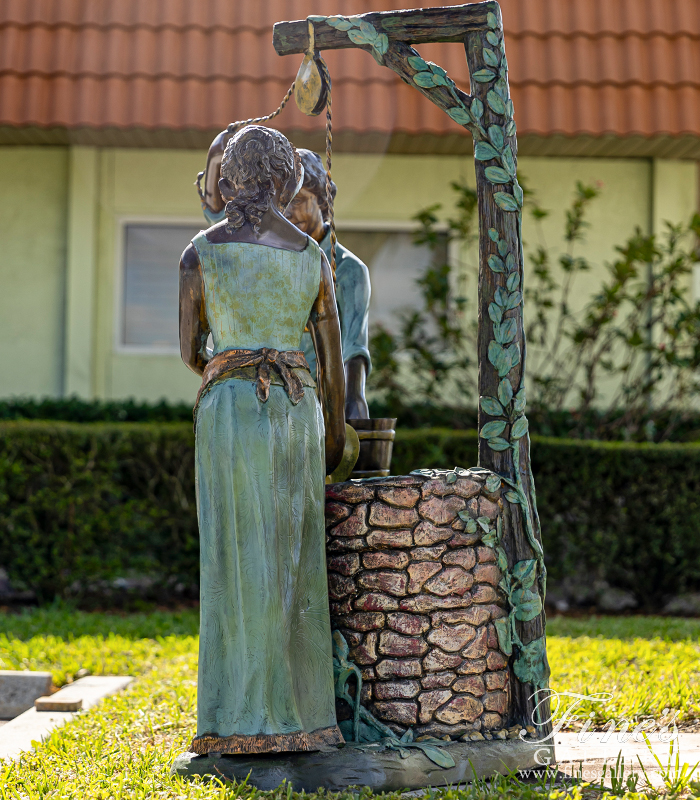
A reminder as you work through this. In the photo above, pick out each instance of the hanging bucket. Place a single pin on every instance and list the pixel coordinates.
(376, 445)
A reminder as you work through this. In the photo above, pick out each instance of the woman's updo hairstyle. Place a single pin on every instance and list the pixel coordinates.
(253, 159)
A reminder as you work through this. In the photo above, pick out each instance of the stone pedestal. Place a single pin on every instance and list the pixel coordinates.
(414, 591)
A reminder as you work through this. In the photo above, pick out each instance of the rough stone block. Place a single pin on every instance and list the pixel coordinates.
(402, 497)
(485, 554)
(471, 666)
(347, 564)
(393, 668)
(352, 527)
(436, 661)
(427, 534)
(474, 615)
(483, 593)
(496, 612)
(438, 680)
(393, 583)
(491, 721)
(408, 624)
(495, 660)
(492, 639)
(487, 573)
(419, 574)
(428, 553)
(451, 639)
(403, 713)
(353, 638)
(431, 701)
(496, 701)
(365, 621)
(19, 689)
(390, 539)
(452, 580)
(441, 511)
(462, 708)
(478, 647)
(339, 608)
(349, 492)
(342, 545)
(335, 512)
(436, 487)
(496, 680)
(463, 539)
(366, 653)
(384, 516)
(396, 690)
(340, 586)
(487, 508)
(474, 684)
(466, 488)
(389, 560)
(374, 601)
(393, 644)
(464, 557)
(424, 602)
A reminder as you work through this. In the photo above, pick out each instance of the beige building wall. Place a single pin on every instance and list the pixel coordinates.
(68, 266)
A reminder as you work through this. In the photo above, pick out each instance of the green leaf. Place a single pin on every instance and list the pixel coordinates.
(493, 483)
(492, 39)
(484, 76)
(511, 128)
(514, 300)
(471, 526)
(369, 30)
(417, 63)
(496, 313)
(498, 444)
(357, 37)
(495, 263)
(492, 407)
(501, 88)
(495, 134)
(508, 161)
(493, 235)
(503, 247)
(509, 108)
(459, 115)
(492, 21)
(381, 43)
(531, 665)
(424, 80)
(492, 429)
(525, 572)
(507, 331)
(501, 296)
(499, 358)
(520, 401)
(483, 151)
(513, 281)
(505, 392)
(477, 108)
(490, 539)
(518, 193)
(490, 58)
(510, 262)
(527, 604)
(495, 102)
(513, 353)
(519, 428)
(505, 643)
(484, 524)
(451, 478)
(512, 497)
(501, 559)
(497, 175)
(506, 201)
(437, 755)
(437, 69)
(340, 23)
(439, 80)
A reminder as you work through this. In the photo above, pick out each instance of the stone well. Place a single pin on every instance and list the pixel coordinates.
(415, 595)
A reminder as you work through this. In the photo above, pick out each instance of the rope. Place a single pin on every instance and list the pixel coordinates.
(329, 151)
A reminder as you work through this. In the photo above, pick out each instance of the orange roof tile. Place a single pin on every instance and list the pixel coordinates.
(596, 70)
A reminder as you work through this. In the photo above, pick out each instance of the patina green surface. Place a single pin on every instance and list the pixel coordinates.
(265, 661)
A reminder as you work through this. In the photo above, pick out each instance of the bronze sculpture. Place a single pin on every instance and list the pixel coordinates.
(254, 281)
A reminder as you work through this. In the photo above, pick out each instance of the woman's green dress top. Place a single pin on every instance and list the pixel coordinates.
(265, 660)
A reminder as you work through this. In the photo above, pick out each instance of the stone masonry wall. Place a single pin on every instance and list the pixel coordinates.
(415, 596)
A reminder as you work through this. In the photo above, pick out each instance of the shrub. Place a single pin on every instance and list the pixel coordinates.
(85, 503)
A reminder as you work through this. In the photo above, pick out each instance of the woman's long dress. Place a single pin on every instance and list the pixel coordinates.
(265, 658)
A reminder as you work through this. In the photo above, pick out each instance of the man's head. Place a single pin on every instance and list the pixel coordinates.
(309, 209)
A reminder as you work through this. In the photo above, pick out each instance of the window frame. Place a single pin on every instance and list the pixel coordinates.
(122, 221)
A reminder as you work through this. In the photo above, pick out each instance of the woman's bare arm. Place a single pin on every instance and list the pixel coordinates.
(212, 172)
(330, 376)
(194, 326)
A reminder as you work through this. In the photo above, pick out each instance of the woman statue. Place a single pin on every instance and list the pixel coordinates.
(255, 281)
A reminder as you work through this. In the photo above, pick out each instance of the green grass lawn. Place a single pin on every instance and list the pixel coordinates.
(124, 747)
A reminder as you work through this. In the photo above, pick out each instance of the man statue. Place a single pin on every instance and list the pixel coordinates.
(309, 212)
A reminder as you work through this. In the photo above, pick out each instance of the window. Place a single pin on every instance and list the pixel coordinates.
(394, 263)
(149, 314)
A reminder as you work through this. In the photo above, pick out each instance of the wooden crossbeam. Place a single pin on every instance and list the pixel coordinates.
(421, 25)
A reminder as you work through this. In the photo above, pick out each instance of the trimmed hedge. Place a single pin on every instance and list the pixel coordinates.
(84, 503)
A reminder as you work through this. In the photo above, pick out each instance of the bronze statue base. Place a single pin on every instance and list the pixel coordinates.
(382, 770)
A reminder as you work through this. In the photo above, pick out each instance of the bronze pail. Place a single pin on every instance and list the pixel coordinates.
(376, 444)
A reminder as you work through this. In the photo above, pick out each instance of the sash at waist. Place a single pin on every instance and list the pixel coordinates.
(265, 366)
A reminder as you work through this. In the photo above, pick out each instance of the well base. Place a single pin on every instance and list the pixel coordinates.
(336, 769)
